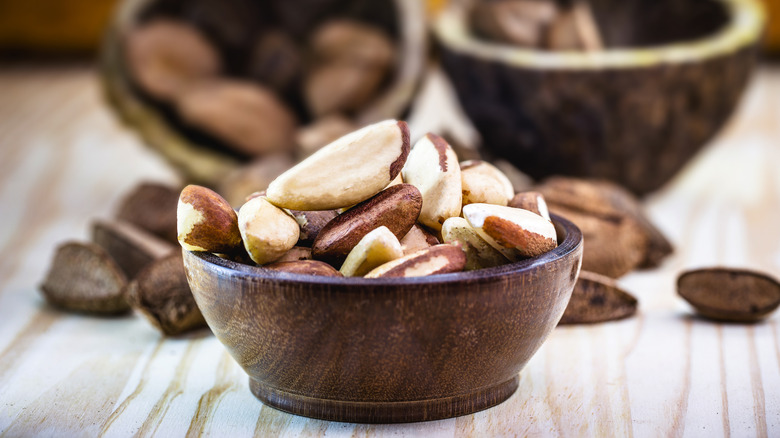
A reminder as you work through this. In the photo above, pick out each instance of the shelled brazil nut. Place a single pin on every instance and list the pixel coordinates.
(370, 204)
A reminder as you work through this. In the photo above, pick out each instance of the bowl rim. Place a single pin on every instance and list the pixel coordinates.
(571, 243)
(744, 28)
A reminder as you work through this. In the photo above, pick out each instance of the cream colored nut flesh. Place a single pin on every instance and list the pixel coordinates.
(375, 248)
(524, 233)
(531, 201)
(205, 221)
(268, 231)
(416, 239)
(433, 168)
(347, 171)
(479, 253)
(439, 259)
(483, 182)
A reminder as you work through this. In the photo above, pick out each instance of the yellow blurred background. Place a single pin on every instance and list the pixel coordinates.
(77, 26)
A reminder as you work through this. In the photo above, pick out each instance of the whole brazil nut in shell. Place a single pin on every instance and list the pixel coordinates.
(206, 222)
(483, 182)
(396, 207)
(433, 168)
(525, 233)
(439, 259)
(729, 294)
(268, 231)
(375, 248)
(345, 172)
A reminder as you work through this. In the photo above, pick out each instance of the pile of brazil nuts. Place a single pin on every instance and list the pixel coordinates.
(370, 204)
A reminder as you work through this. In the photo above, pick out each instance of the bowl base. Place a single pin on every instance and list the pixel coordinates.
(384, 412)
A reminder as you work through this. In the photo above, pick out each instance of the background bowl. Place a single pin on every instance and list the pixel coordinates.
(386, 350)
(233, 25)
(634, 113)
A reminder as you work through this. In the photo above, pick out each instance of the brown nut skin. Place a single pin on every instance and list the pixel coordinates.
(531, 201)
(206, 222)
(439, 259)
(308, 267)
(396, 207)
(597, 298)
(161, 294)
(311, 223)
(728, 294)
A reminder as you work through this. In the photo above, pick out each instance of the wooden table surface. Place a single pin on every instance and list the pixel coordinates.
(64, 159)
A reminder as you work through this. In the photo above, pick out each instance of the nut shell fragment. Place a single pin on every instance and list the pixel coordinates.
(597, 298)
(131, 247)
(162, 295)
(84, 278)
(730, 294)
(151, 206)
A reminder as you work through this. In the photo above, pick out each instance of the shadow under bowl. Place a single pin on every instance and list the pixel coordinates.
(386, 350)
(671, 74)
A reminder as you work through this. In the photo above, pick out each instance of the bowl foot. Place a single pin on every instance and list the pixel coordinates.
(384, 412)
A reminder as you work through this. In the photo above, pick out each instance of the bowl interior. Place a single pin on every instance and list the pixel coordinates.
(569, 240)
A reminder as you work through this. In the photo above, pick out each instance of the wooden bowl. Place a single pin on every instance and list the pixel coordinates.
(634, 113)
(204, 159)
(386, 350)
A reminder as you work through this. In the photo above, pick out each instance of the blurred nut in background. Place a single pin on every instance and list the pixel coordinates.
(258, 70)
(166, 57)
(249, 117)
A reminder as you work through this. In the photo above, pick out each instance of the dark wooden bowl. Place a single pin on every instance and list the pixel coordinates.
(386, 350)
(634, 113)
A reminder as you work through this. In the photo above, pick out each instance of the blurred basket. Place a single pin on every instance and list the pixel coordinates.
(201, 162)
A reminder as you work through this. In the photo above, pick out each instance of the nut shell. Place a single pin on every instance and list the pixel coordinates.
(730, 294)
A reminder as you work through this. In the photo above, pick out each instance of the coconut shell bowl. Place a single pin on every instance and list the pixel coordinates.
(386, 350)
(668, 76)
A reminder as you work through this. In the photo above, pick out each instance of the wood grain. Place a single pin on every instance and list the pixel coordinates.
(64, 160)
